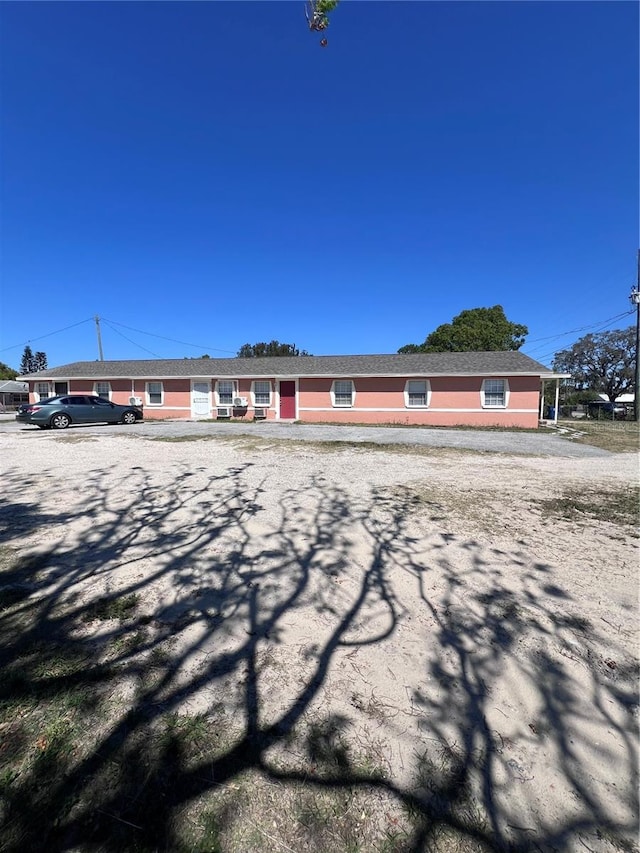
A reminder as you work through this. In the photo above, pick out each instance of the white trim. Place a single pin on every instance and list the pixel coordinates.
(49, 385)
(332, 394)
(146, 390)
(216, 396)
(401, 374)
(486, 411)
(95, 389)
(276, 395)
(206, 382)
(173, 408)
(427, 394)
(502, 406)
(271, 392)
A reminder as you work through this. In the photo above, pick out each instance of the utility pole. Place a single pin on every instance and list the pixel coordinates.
(635, 300)
(97, 319)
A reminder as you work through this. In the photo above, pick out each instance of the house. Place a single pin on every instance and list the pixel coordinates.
(12, 394)
(438, 389)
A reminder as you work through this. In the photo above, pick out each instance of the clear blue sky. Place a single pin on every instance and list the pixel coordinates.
(206, 172)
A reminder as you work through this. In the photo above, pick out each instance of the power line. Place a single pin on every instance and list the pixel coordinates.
(602, 328)
(113, 329)
(595, 327)
(173, 340)
(582, 328)
(48, 335)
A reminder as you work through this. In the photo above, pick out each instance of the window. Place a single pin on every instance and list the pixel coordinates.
(42, 390)
(226, 392)
(417, 393)
(103, 389)
(494, 393)
(155, 393)
(262, 393)
(100, 401)
(343, 393)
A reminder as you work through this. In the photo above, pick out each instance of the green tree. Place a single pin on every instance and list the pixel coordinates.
(32, 363)
(7, 372)
(40, 361)
(602, 362)
(273, 348)
(474, 330)
(28, 362)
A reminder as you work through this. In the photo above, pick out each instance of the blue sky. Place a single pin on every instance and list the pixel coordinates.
(207, 173)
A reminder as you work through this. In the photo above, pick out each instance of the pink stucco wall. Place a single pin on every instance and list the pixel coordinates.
(454, 401)
(453, 394)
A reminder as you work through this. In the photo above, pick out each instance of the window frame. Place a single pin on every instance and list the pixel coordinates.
(427, 394)
(334, 395)
(484, 393)
(234, 392)
(148, 392)
(46, 396)
(96, 392)
(254, 393)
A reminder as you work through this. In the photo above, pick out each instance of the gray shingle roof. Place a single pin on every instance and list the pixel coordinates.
(419, 364)
(10, 386)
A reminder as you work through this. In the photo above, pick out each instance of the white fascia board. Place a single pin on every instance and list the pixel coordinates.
(160, 376)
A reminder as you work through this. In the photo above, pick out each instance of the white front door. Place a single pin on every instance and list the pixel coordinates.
(200, 399)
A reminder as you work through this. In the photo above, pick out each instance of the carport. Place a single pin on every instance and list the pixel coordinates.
(551, 377)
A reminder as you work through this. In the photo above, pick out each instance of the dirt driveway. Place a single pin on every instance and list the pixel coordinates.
(396, 648)
(542, 442)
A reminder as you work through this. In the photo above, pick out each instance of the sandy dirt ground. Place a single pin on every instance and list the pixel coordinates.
(423, 606)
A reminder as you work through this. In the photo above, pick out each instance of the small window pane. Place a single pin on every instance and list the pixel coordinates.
(343, 391)
(417, 392)
(262, 393)
(494, 392)
(154, 390)
(226, 388)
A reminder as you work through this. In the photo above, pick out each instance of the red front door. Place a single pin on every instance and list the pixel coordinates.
(288, 400)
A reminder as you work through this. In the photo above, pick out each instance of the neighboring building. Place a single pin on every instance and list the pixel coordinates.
(12, 394)
(439, 389)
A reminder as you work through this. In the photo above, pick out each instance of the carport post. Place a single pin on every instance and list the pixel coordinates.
(542, 399)
(555, 411)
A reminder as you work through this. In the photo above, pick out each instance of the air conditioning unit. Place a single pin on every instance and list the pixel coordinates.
(260, 414)
(240, 402)
(223, 413)
(135, 401)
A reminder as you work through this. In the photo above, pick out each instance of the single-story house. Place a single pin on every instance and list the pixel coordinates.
(12, 394)
(439, 389)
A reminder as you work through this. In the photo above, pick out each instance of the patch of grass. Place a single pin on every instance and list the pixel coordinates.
(128, 643)
(404, 425)
(74, 439)
(112, 608)
(621, 506)
(615, 436)
(181, 438)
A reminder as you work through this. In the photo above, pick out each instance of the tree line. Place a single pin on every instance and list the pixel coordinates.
(32, 362)
(598, 363)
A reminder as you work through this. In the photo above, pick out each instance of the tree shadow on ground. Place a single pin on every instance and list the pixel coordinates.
(147, 668)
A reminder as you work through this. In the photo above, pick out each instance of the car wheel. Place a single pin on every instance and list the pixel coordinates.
(129, 418)
(60, 421)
